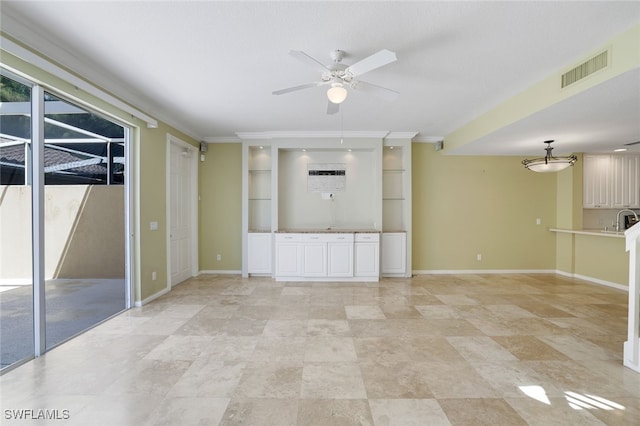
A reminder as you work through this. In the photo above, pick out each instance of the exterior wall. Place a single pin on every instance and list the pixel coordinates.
(84, 232)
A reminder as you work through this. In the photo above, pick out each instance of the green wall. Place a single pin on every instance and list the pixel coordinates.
(220, 213)
(465, 206)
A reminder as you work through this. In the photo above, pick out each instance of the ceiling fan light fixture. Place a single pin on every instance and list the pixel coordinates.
(549, 163)
(337, 93)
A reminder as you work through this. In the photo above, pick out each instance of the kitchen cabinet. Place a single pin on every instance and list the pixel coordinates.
(367, 255)
(624, 181)
(287, 249)
(611, 181)
(340, 256)
(327, 256)
(259, 253)
(394, 254)
(314, 256)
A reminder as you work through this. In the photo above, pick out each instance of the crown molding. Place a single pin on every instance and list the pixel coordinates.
(222, 139)
(428, 139)
(312, 134)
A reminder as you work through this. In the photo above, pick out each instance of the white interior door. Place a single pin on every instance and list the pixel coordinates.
(180, 213)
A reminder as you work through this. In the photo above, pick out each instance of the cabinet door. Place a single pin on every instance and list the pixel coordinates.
(367, 260)
(340, 259)
(314, 259)
(625, 175)
(596, 181)
(287, 264)
(394, 253)
(259, 253)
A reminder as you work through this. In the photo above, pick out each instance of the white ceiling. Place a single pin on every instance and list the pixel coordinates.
(208, 68)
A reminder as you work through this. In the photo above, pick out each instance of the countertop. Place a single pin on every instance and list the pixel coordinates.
(327, 231)
(596, 232)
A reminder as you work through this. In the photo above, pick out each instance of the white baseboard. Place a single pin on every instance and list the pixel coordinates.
(220, 272)
(523, 271)
(15, 281)
(483, 271)
(151, 298)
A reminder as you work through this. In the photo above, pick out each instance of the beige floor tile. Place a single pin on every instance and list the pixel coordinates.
(424, 350)
(364, 312)
(480, 411)
(332, 380)
(260, 412)
(189, 411)
(529, 348)
(330, 349)
(275, 380)
(392, 380)
(407, 412)
(334, 412)
(324, 327)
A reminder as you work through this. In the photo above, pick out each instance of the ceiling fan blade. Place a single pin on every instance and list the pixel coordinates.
(296, 88)
(332, 108)
(379, 91)
(372, 62)
(303, 57)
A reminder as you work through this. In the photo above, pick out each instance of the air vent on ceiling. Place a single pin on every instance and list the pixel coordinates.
(586, 68)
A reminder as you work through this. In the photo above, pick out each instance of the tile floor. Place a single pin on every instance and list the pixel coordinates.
(432, 350)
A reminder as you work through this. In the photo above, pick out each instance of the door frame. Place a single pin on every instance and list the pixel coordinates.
(193, 155)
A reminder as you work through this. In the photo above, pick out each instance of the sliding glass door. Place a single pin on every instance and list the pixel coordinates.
(63, 204)
(16, 259)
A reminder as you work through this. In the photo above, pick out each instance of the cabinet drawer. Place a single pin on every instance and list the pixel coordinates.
(367, 237)
(327, 238)
(288, 238)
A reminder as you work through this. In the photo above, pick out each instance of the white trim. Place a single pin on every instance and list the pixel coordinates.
(483, 271)
(38, 61)
(151, 298)
(428, 139)
(521, 271)
(311, 134)
(222, 139)
(15, 281)
(194, 155)
(401, 135)
(220, 272)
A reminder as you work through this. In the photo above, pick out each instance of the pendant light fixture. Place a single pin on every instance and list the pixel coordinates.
(549, 163)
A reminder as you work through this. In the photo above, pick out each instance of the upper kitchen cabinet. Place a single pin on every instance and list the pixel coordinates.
(611, 181)
(625, 174)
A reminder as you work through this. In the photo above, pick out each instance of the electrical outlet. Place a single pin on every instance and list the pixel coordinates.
(478, 257)
(219, 257)
(538, 221)
(154, 276)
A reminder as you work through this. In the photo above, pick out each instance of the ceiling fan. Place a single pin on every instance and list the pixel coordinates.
(339, 75)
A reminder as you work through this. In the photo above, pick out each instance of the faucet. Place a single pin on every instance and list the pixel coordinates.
(618, 217)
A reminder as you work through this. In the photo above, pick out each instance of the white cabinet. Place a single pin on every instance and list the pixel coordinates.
(611, 181)
(327, 256)
(288, 255)
(259, 253)
(394, 254)
(314, 257)
(596, 181)
(367, 255)
(624, 181)
(340, 256)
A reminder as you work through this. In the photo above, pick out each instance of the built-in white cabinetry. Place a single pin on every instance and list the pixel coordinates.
(259, 253)
(327, 256)
(611, 181)
(367, 255)
(394, 253)
(288, 259)
(259, 189)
